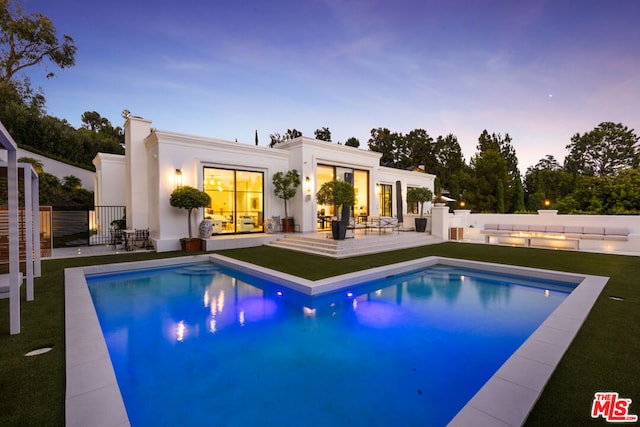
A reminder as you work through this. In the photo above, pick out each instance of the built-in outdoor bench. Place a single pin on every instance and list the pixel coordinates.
(541, 235)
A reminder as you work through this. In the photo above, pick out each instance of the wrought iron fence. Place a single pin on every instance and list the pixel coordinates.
(103, 219)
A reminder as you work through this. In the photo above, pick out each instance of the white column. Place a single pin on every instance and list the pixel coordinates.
(28, 229)
(35, 200)
(136, 177)
(14, 244)
(440, 222)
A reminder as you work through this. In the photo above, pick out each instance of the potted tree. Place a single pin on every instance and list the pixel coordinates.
(285, 186)
(189, 198)
(341, 195)
(419, 195)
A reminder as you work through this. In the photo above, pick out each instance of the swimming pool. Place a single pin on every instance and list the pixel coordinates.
(224, 348)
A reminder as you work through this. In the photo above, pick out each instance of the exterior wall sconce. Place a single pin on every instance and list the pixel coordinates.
(178, 178)
(307, 185)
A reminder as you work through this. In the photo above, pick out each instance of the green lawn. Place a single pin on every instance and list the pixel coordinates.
(603, 357)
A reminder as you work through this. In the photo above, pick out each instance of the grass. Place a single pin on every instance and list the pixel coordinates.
(603, 357)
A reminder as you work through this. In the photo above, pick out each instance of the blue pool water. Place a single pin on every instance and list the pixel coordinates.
(204, 345)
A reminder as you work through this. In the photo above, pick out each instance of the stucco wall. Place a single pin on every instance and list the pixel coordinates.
(191, 155)
(154, 156)
(59, 169)
(110, 191)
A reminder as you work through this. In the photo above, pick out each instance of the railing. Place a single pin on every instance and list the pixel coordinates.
(102, 219)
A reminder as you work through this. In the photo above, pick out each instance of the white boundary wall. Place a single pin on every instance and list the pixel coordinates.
(57, 168)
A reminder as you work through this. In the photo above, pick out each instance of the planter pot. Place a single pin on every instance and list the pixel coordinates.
(288, 225)
(190, 245)
(338, 230)
(421, 224)
(205, 228)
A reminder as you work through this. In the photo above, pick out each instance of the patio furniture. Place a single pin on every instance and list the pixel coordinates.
(273, 225)
(383, 223)
(246, 223)
(136, 238)
(117, 237)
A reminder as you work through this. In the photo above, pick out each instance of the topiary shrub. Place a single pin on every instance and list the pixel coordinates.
(189, 198)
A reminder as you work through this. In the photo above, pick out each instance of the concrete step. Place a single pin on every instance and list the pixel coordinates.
(360, 245)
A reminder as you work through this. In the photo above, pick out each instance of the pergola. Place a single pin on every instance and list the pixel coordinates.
(10, 283)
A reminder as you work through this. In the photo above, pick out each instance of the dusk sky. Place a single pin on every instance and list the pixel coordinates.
(540, 71)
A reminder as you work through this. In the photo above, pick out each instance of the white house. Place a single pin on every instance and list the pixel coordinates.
(238, 177)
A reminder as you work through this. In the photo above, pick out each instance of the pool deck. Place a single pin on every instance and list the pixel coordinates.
(93, 397)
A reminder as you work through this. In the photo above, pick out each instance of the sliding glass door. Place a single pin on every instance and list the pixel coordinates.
(359, 179)
(237, 200)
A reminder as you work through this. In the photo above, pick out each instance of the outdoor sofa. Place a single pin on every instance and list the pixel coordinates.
(556, 231)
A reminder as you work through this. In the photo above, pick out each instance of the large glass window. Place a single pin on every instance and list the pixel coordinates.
(236, 200)
(386, 199)
(360, 181)
(361, 188)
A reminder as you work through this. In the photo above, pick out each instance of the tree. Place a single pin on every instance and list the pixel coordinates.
(339, 194)
(323, 134)
(276, 138)
(546, 181)
(352, 142)
(189, 198)
(93, 120)
(37, 164)
(28, 40)
(419, 195)
(606, 150)
(292, 134)
(448, 162)
(490, 170)
(71, 183)
(416, 148)
(285, 186)
(386, 142)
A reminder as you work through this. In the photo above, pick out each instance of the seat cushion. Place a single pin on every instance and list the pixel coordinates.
(573, 229)
(618, 231)
(592, 230)
(554, 229)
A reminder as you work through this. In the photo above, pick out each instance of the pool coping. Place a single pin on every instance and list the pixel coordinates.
(93, 396)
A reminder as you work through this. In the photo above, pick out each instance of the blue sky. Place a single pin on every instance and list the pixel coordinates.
(538, 70)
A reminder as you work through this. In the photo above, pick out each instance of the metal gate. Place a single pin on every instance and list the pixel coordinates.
(86, 227)
(103, 220)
